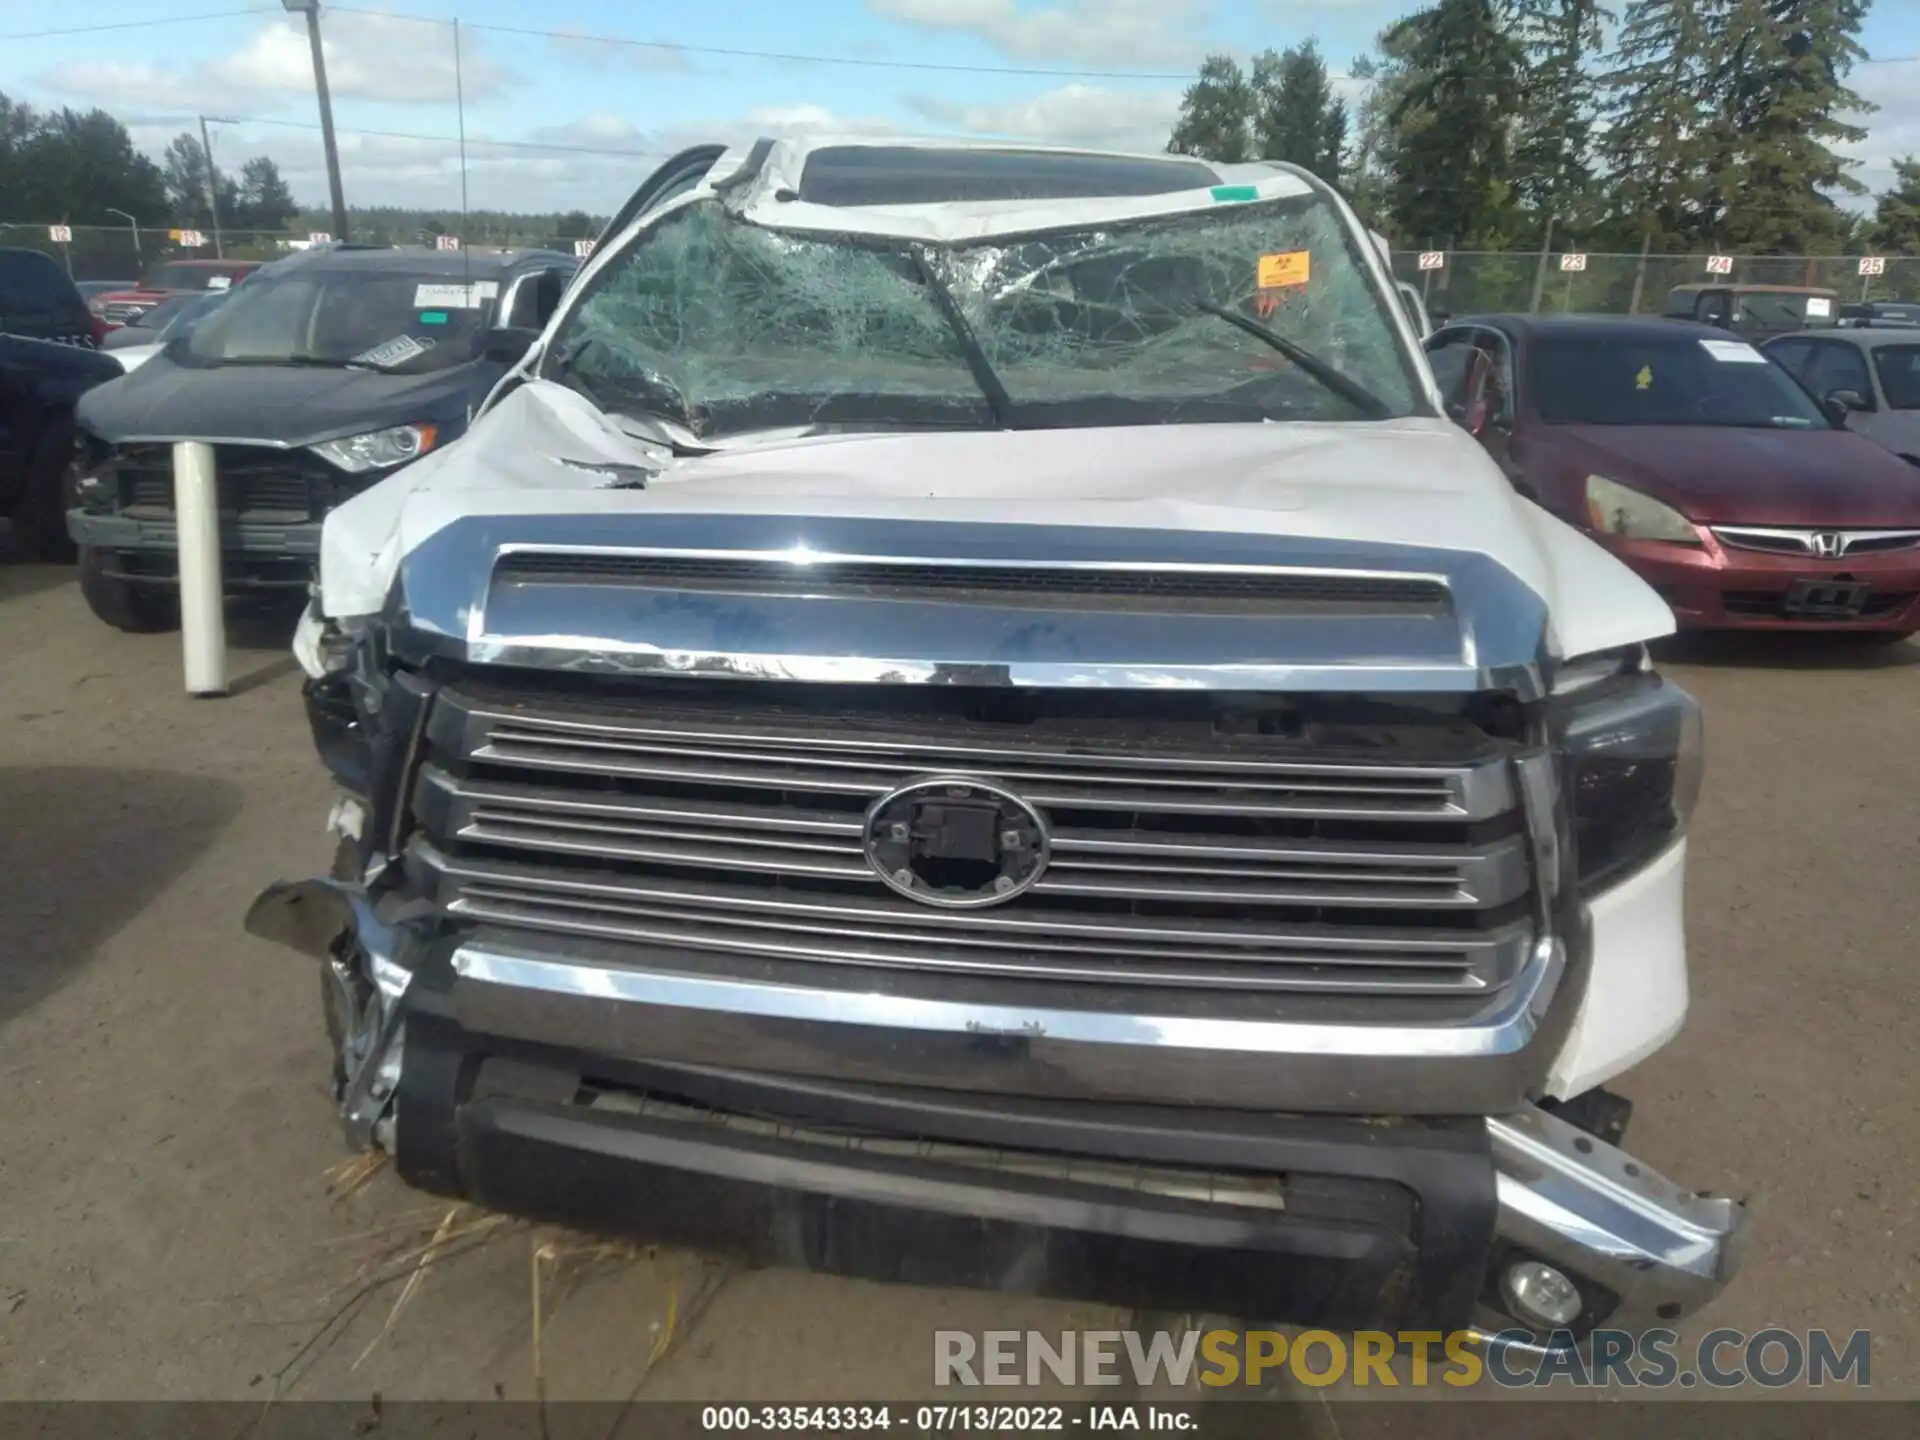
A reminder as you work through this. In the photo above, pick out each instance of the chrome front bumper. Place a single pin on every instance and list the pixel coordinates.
(1642, 1249)
(1615, 1226)
(1594, 1212)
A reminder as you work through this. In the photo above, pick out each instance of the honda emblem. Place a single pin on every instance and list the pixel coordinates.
(1827, 544)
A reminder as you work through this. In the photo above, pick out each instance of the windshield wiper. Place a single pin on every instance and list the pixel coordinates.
(319, 362)
(1344, 386)
(999, 402)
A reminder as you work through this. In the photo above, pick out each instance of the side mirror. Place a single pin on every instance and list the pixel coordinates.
(508, 345)
(1841, 403)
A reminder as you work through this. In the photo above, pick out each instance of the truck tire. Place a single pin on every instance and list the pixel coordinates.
(123, 605)
(40, 519)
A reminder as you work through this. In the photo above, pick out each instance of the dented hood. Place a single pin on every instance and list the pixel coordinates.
(543, 451)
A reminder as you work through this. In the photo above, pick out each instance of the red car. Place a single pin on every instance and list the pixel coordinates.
(169, 278)
(1697, 461)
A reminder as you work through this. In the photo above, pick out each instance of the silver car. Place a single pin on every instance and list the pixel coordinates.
(1873, 374)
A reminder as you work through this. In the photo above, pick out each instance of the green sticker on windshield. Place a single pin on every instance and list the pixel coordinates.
(1223, 194)
(433, 317)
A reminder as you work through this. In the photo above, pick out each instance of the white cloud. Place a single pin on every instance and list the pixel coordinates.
(1893, 130)
(1077, 114)
(809, 119)
(126, 82)
(1143, 34)
(370, 57)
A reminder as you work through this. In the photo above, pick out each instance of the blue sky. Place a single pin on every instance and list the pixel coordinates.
(1117, 69)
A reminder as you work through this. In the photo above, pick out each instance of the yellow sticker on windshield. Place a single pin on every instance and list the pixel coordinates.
(1644, 380)
(1288, 268)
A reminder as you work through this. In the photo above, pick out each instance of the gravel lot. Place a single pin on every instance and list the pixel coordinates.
(166, 1226)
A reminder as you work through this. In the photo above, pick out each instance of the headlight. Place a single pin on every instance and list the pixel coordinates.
(1616, 509)
(378, 449)
(1632, 756)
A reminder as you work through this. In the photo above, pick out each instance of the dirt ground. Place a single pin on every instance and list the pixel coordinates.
(166, 1222)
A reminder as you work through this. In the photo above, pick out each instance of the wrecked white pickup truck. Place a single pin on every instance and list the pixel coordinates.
(964, 718)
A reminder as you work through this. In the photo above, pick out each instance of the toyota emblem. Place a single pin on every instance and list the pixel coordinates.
(956, 841)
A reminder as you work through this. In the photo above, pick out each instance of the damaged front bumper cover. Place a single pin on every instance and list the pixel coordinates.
(1355, 1222)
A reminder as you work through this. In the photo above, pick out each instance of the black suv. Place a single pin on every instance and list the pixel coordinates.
(320, 376)
(48, 359)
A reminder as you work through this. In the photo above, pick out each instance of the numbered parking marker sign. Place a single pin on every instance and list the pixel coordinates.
(1571, 263)
(1719, 264)
(1433, 259)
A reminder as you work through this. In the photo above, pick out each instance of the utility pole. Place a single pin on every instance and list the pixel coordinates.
(311, 9)
(213, 187)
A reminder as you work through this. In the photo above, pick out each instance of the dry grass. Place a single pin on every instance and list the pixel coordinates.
(410, 1246)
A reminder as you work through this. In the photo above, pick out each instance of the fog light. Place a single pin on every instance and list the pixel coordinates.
(1541, 1295)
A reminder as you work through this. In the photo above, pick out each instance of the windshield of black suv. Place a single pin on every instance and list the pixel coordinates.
(1677, 380)
(380, 320)
(725, 326)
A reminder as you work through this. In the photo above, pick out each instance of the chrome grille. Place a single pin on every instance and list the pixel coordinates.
(1214, 862)
(1829, 544)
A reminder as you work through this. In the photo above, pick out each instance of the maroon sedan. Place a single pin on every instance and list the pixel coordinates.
(1704, 466)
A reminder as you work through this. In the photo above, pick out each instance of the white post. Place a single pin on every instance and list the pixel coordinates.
(203, 615)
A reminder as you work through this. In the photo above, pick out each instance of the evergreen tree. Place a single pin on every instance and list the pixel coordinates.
(1553, 161)
(1895, 229)
(1216, 114)
(1658, 102)
(1450, 167)
(68, 165)
(1370, 165)
(1296, 115)
(265, 202)
(1781, 99)
(185, 167)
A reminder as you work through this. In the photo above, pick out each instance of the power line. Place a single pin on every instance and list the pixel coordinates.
(453, 140)
(140, 24)
(784, 57)
(858, 61)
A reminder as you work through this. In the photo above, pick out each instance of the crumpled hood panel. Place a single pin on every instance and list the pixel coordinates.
(1416, 482)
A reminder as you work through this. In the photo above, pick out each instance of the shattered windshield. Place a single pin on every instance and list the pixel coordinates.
(1241, 313)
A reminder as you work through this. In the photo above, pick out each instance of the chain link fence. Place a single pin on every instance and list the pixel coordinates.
(1467, 282)
(1486, 281)
(124, 252)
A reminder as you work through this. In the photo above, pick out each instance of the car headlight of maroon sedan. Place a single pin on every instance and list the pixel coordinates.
(1630, 514)
(1710, 470)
